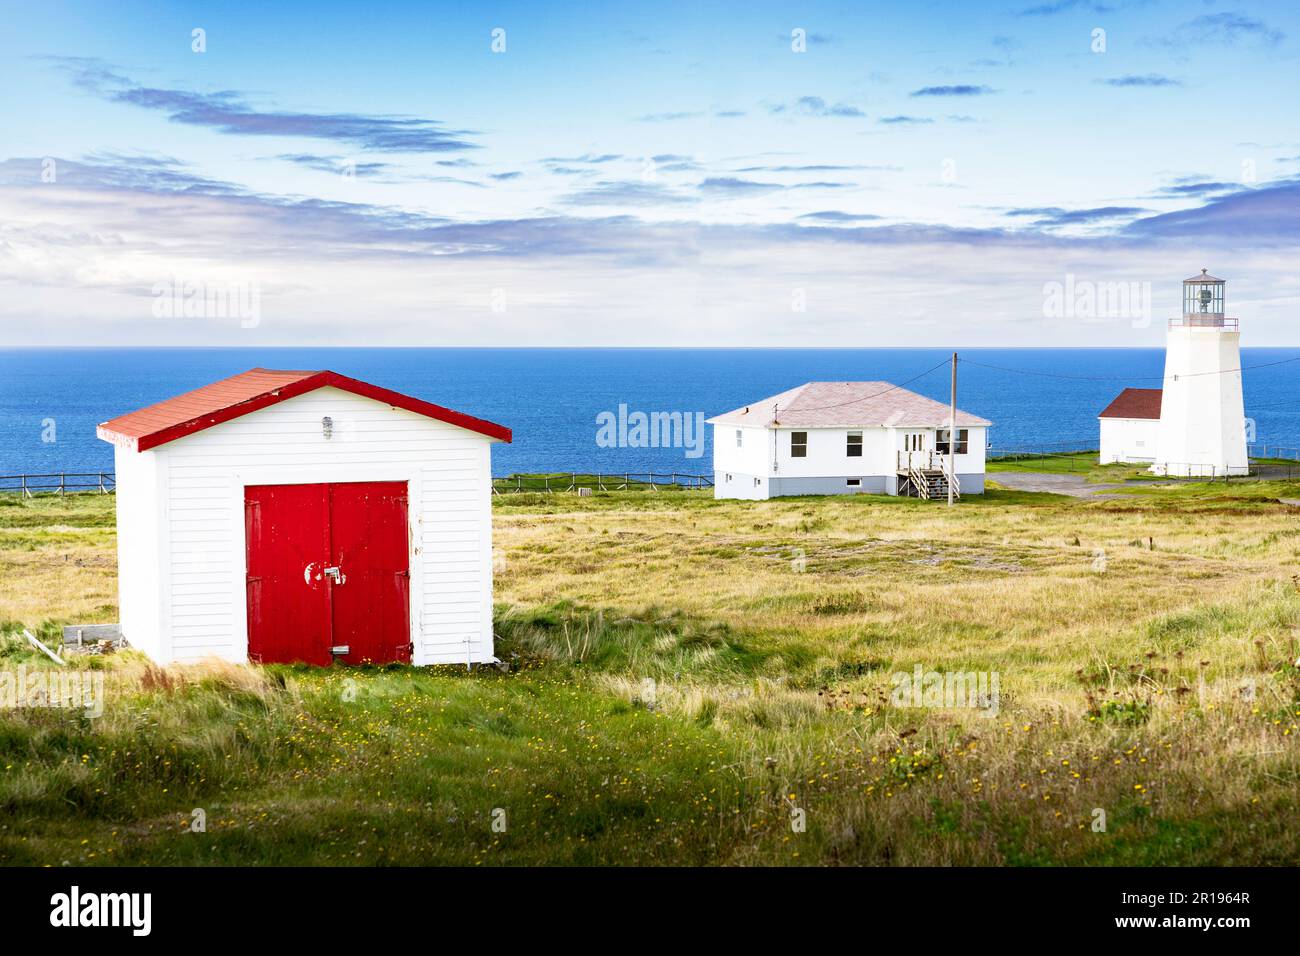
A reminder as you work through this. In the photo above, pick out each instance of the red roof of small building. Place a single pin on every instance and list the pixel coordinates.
(1134, 403)
(257, 388)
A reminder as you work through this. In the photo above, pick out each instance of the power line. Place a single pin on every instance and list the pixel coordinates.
(857, 401)
(1244, 368)
(1079, 378)
(1122, 378)
(1038, 372)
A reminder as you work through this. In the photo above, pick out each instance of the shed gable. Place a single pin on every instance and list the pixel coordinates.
(256, 389)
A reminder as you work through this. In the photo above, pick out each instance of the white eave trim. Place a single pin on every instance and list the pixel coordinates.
(117, 440)
(783, 425)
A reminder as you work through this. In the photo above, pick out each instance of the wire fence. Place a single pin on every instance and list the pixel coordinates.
(1265, 450)
(1275, 471)
(1072, 459)
(578, 483)
(59, 483)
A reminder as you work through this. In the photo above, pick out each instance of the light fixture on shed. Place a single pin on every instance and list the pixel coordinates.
(327, 427)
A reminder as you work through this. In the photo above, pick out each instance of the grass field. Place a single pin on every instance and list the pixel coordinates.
(702, 682)
(1084, 464)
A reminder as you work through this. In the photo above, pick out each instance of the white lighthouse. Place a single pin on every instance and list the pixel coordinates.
(1202, 429)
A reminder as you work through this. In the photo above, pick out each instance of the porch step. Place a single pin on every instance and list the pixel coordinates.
(926, 483)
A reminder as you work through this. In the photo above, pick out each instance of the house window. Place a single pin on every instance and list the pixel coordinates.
(941, 442)
(854, 447)
(913, 442)
(798, 444)
(739, 437)
(853, 482)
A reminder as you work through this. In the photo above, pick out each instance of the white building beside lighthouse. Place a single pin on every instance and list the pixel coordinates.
(1198, 428)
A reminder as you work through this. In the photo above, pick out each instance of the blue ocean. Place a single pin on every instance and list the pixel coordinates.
(1037, 398)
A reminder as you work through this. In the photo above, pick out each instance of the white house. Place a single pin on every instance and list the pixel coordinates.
(1130, 427)
(304, 516)
(829, 438)
(1196, 424)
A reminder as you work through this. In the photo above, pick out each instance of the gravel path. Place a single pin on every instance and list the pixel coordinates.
(1076, 486)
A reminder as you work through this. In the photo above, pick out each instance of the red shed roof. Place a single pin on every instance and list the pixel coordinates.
(257, 388)
(1134, 403)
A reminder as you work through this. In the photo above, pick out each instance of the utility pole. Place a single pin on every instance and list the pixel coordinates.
(776, 439)
(952, 431)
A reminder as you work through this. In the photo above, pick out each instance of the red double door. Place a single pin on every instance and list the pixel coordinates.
(328, 572)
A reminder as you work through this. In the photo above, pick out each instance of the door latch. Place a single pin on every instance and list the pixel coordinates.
(336, 575)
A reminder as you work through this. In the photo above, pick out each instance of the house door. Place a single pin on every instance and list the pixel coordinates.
(914, 454)
(328, 572)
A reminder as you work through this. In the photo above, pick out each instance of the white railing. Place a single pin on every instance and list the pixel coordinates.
(914, 464)
(909, 460)
(1204, 322)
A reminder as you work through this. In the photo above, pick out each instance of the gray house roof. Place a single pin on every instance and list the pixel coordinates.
(846, 405)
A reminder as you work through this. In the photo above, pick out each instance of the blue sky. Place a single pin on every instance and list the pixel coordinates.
(667, 174)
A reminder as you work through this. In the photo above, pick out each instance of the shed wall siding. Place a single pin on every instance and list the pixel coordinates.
(447, 471)
(1129, 440)
(140, 574)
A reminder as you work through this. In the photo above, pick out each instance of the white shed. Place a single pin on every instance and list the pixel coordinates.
(1130, 427)
(836, 438)
(304, 516)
